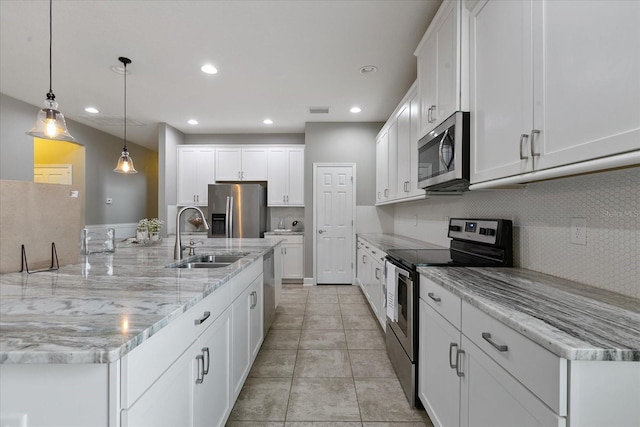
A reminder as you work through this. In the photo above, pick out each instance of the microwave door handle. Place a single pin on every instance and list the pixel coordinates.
(445, 164)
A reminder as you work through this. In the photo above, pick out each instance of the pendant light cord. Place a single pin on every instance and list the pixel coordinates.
(125, 106)
(50, 95)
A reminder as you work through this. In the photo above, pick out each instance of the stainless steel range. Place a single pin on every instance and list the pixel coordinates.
(475, 243)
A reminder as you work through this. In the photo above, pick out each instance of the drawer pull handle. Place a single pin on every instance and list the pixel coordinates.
(204, 317)
(205, 365)
(458, 365)
(200, 377)
(433, 297)
(500, 348)
(455, 364)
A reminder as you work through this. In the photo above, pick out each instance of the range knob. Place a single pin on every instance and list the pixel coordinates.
(483, 231)
(491, 232)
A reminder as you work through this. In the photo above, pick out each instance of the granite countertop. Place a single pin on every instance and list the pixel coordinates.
(572, 320)
(391, 241)
(101, 308)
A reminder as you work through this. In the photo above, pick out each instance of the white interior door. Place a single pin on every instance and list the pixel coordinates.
(334, 223)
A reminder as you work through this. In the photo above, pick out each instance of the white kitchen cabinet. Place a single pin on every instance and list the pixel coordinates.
(247, 332)
(285, 176)
(370, 277)
(247, 163)
(441, 58)
(292, 252)
(541, 99)
(196, 165)
(397, 154)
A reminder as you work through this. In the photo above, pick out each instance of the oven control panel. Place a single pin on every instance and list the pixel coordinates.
(476, 230)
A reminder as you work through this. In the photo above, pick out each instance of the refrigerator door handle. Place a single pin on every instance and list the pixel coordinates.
(229, 219)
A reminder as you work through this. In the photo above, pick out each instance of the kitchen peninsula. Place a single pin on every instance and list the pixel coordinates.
(124, 339)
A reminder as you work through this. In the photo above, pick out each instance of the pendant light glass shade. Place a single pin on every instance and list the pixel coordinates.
(50, 122)
(125, 162)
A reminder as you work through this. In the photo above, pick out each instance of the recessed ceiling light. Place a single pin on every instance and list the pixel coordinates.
(192, 122)
(91, 110)
(267, 121)
(367, 69)
(355, 110)
(209, 69)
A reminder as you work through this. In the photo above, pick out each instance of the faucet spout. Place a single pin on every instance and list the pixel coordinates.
(178, 248)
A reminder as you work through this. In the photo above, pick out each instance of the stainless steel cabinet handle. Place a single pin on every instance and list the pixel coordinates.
(378, 194)
(373, 252)
(200, 361)
(204, 317)
(434, 297)
(254, 299)
(364, 259)
(459, 372)
(533, 133)
(501, 348)
(376, 274)
(386, 192)
(205, 365)
(522, 138)
(429, 117)
(451, 347)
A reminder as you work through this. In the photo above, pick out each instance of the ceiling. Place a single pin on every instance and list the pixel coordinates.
(275, 59)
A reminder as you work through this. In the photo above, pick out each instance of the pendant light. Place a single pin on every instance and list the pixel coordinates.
(50, 122)
(125, 162)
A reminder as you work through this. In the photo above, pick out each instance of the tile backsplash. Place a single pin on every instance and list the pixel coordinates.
(541, 213)
(288, 215)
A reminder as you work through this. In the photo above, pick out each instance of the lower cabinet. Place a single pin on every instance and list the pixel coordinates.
(370, 277)
(474, 371)
(292, 257)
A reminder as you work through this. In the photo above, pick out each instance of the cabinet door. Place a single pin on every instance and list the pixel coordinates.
(414, 105)
(295, 194)
(427, 82)
(187, 175)
(404, 151)
(212, 400)
(447, 64)
(256, 310)
(493, 398)
(293, 261)
(382, 168)
(392, 161)
(438, 383)
(240, 341)
(590, 106)
(501, 88)
(254, 164)
(205, 165)
(228, 164)
(277, 176)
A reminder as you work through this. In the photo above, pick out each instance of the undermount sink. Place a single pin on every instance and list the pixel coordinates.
(211, 261)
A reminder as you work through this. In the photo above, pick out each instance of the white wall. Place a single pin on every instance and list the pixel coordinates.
(541, 213)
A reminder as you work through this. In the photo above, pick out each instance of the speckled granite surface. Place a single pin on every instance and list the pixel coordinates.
(571, 320)
(391, 241)
(101, 308)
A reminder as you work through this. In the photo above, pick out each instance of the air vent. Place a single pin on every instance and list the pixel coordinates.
(319, 110)
(112, 121)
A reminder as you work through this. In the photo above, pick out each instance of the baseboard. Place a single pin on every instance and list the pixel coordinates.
(308, 281)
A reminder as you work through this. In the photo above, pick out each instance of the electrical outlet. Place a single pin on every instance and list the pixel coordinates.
(579, 231)
(109, 200)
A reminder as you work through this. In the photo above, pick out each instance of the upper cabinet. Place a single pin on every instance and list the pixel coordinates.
(397, 154)
(241, 163)
(542, 96)
(442, 65)
(286, 176)
(195, 172)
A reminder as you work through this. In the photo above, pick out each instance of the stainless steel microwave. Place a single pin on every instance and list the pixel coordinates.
(443, 155)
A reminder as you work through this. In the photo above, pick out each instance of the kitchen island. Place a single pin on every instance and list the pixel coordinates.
(87, 344)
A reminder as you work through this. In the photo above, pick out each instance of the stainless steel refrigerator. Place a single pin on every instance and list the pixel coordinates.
(237, 210)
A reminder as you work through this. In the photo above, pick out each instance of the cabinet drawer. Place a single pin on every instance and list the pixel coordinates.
(443, 301)
(291, 239)
(541, 371)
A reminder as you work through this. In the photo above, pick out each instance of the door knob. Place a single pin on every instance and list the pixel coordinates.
(320, 231)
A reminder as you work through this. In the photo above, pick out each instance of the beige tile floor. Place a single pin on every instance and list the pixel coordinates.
(324, 364)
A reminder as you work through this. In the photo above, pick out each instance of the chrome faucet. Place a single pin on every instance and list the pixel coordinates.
(178, 248)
